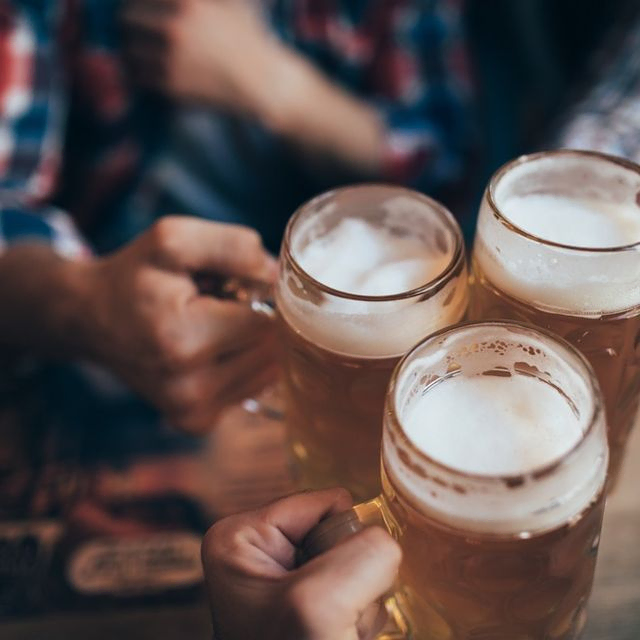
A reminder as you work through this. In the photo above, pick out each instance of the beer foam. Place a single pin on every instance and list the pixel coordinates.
(493, 425)
(575, 222)
(357, 257)
(507, 431)
(583, 203)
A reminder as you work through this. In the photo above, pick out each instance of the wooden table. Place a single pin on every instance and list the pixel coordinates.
(614, 611)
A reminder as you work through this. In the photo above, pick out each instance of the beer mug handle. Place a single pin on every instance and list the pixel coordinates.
(331, 531)
(258, 296)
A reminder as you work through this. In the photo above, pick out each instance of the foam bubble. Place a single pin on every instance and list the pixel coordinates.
(493, 425)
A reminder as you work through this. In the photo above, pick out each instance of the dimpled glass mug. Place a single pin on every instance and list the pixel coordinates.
(494, 459)
(365, 273)
(558, 246)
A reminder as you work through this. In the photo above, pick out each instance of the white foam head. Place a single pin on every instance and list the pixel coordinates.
(487, 408)
(356, 257)
(587, 203)
(495, 425)
(368, 248)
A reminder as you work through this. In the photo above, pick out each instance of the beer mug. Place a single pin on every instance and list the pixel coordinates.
(365, 272)
(494, 459)
(558, 246)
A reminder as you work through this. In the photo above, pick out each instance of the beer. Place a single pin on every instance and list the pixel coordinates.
(558, 245)
(366, 273)
(494, 460)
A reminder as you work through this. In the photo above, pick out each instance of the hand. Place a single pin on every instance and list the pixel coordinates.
(257, 593)
(186, 353)
(219, 52)
(212, 50)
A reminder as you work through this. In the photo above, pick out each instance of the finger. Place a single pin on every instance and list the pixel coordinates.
(224, 327)
(199, 422)
(350, 577)
(258, 380)
(194, 245)
(242, 376)
(209, 332)
(194, 401)
(296, 515)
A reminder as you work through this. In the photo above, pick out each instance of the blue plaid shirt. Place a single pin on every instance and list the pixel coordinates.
(85, 162)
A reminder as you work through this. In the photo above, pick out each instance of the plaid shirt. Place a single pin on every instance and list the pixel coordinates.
(74, 138)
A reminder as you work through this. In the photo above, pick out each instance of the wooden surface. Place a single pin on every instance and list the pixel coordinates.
(614, 612)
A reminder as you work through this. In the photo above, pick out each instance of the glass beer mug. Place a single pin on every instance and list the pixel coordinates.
(365, 272)
(558, 246)
(494, 458)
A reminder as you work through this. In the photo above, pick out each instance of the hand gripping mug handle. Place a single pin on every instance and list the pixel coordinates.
(258, 296)
(334, 529)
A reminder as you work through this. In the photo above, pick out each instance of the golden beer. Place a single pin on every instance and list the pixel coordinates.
(366, 273)
(494, 461)
(558, 246)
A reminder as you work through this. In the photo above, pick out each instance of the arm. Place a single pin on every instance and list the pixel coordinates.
(39, 246)
(326, 123)
(137, 312)
(408, 124)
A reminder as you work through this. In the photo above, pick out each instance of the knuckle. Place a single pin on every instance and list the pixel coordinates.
(247, 240)
(164, 234)
(176, 348)
(217, 535)
(221, 541)
(184, 395)
(211, 543)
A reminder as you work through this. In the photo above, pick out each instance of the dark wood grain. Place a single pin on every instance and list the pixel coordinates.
(614, 612)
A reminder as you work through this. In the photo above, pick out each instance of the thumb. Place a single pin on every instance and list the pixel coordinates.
(182, 243)
(332, 592)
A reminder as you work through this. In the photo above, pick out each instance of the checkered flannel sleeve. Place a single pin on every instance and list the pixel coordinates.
(32, 113)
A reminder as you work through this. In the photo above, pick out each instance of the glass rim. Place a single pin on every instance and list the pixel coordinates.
(490, 195)
(595, 393)
(429, 288)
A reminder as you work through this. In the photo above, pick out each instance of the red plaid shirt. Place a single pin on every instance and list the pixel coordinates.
(71, 135)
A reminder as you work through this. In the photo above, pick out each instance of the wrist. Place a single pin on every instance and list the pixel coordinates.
(73, 307)
(46, 302)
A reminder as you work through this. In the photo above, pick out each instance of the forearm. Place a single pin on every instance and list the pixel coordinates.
(326, 122)
(45, 309)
